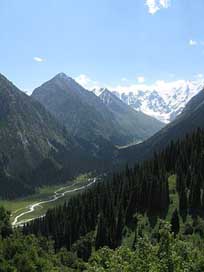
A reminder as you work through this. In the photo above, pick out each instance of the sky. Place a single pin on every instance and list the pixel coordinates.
(101, 42)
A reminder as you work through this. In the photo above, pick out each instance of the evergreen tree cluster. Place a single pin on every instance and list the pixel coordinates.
(111, 205)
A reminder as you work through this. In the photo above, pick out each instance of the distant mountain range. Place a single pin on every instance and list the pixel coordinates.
(189, 120)
(164, 101)
(94, 120)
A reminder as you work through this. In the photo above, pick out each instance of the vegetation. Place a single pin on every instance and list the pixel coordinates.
(110, 207)
(115, 225)
(164, 252)
(166, 255)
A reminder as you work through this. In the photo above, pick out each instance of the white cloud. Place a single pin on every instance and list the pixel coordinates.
(156, 5)
(196, 42)
(140, 79)
(193, 42)
(38, 59)
(87, 82)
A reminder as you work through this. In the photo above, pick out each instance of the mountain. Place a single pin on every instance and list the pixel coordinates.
(190, 119)
(138, 125)
(34, 148)
(164, 100)
(85, 115)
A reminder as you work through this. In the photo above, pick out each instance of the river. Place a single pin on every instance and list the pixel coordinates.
(57, 195)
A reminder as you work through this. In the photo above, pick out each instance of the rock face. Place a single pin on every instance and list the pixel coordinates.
(87, 117)
(164, 101)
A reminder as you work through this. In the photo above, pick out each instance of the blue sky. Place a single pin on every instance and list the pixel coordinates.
(101, 42)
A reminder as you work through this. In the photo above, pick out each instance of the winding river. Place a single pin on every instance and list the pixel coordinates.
(57, 195)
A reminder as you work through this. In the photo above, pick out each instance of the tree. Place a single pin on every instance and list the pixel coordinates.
(175, 225)
(5, 226)
(102, 233)
(195, 193)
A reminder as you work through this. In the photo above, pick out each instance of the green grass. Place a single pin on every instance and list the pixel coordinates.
(20, 205)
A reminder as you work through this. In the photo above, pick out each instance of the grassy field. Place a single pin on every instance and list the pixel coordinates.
(19, 206)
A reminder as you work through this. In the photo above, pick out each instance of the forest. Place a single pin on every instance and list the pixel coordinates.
(96, 224)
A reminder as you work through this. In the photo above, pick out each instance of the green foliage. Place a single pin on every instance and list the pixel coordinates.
(5, 226)
(30, 254)
(167, 255)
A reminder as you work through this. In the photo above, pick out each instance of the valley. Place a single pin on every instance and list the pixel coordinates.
(101, 136)
(28, 208)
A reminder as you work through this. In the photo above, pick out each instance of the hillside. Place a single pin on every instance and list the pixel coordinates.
(34, 148)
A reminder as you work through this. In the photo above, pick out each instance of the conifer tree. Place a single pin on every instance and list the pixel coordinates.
(175, 225)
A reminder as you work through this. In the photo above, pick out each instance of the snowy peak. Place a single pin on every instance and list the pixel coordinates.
(109, 97)
(98, 91)
(113, 102)
(163, 100)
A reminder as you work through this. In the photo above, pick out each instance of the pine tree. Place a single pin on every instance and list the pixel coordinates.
(195, 194)
(102, 235)
(183, 201)
(175, 225)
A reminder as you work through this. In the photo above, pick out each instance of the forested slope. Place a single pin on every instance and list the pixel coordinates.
(110, 206)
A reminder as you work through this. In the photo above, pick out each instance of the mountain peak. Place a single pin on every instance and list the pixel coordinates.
(105, 90)
(99, 91)
(62, 82)
(3, 78)
(63, 76)
(106, 94)
(6, 86)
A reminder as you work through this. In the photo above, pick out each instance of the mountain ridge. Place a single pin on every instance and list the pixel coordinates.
(190, 119)
(164, 100)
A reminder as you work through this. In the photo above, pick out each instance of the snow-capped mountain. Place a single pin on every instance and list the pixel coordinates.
(163, 100)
